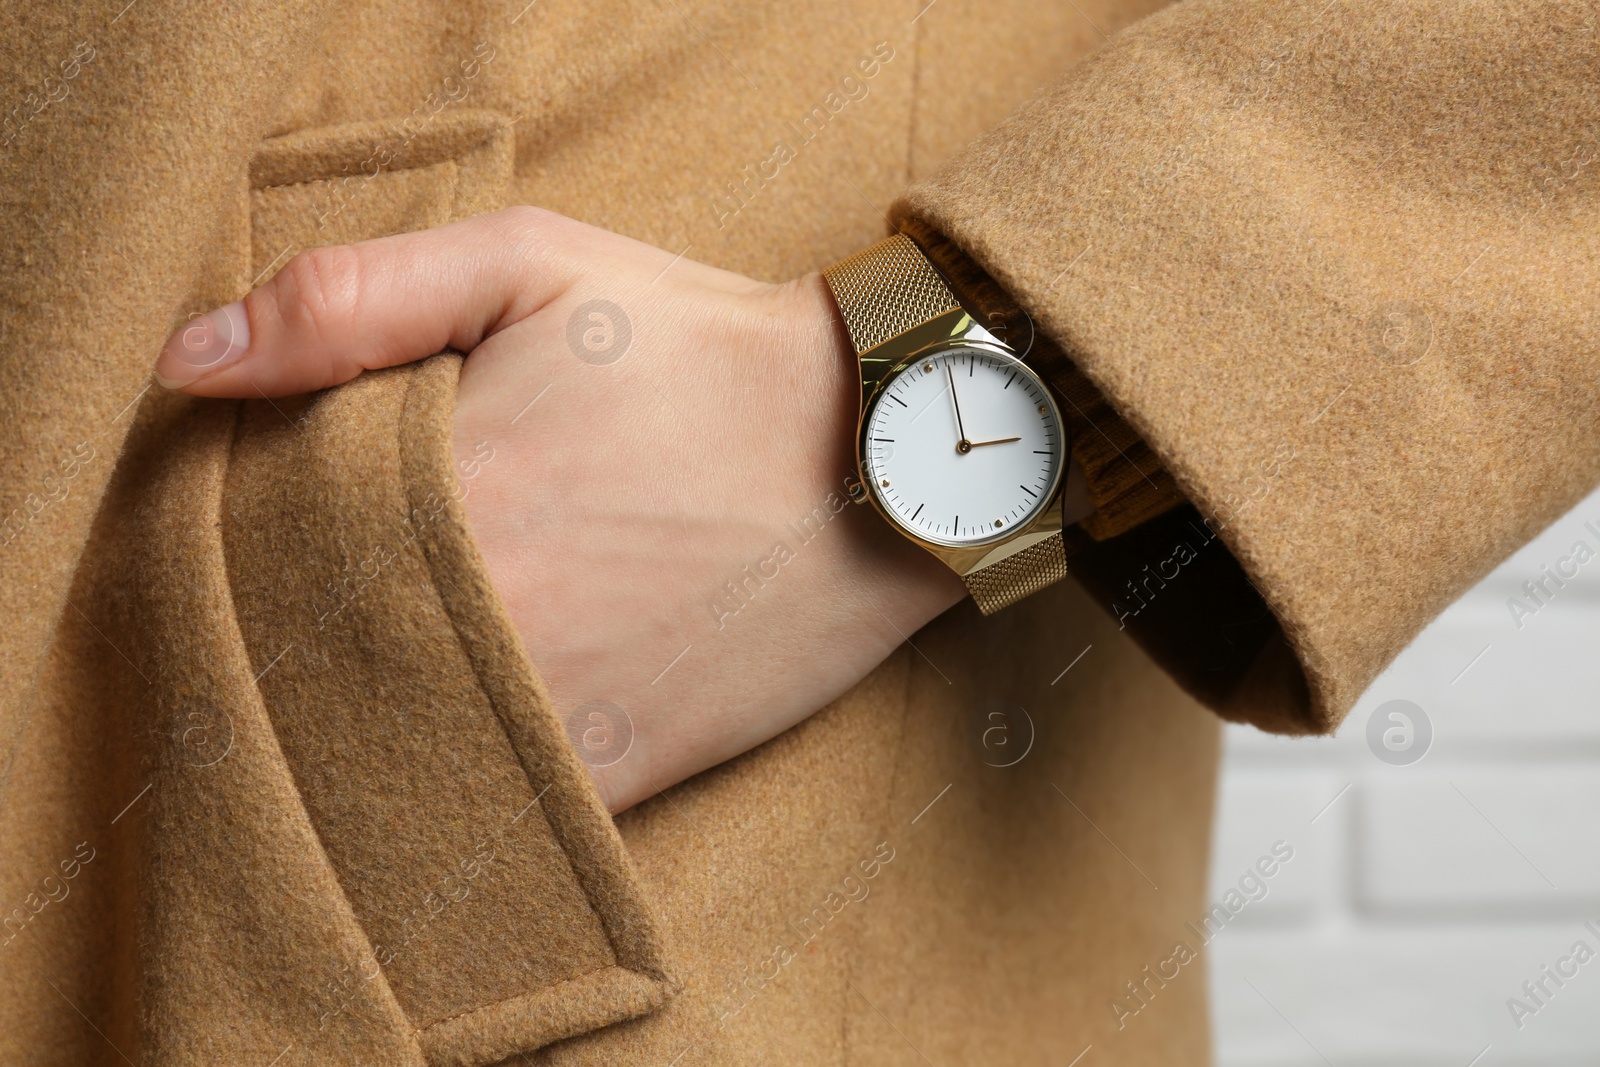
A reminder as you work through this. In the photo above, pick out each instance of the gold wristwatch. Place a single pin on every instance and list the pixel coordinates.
(960, 445)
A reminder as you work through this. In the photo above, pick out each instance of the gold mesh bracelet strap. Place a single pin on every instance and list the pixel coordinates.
(884, 291)
(1002, 584)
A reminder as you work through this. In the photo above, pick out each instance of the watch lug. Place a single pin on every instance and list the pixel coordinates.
(879, 361)
(976, 332)
(966, 560)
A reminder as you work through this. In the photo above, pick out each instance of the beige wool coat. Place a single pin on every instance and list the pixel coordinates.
(280, 786)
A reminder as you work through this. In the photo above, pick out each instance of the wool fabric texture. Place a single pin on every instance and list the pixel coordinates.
(280, 785)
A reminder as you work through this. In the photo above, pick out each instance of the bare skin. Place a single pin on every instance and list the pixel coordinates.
(665, 516)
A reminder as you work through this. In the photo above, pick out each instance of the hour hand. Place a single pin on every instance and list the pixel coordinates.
(996, 441)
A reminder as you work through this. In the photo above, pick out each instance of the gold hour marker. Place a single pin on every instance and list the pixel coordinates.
(1041, 409)
(886, 483)
(997, 523)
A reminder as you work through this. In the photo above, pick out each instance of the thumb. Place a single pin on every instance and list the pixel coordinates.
(334, 312)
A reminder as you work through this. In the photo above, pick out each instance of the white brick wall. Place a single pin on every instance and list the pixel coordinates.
(1425, 895)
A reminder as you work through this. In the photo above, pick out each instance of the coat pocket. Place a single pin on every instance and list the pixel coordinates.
(492, 887)
(356, 181)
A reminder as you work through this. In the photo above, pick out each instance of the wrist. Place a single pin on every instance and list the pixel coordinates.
(872, 561)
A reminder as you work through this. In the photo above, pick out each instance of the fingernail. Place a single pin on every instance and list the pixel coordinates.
(202, 345)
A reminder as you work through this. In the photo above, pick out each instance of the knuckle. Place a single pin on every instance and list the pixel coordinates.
(319, 290)
(531, 242)
(530, 227)
(530, 219)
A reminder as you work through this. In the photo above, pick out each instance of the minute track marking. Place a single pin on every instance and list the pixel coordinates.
(919, 484)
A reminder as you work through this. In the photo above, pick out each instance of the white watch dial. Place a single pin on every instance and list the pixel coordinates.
(963, 446)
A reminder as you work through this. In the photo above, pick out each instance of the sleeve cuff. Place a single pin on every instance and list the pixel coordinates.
(1212, 632)
(1127, 483)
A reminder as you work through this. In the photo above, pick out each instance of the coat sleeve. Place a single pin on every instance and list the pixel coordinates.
(1335, 265)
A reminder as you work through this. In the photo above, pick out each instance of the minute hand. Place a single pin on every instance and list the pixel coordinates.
(961, 444)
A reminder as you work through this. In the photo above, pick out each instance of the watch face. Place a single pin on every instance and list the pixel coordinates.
(963, 446)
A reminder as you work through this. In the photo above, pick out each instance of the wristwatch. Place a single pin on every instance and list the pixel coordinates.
(960, 444)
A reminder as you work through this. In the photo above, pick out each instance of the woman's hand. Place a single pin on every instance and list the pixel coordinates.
(665, 517)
